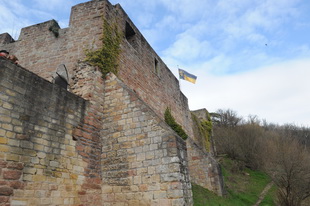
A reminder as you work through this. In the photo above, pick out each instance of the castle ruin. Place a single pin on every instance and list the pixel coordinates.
(105, 141)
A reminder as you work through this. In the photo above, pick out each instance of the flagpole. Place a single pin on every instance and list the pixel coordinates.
(179, 78)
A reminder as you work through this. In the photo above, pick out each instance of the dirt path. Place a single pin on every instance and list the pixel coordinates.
(263, 193)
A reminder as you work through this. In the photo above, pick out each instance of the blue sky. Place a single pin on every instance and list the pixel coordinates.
(251, 56)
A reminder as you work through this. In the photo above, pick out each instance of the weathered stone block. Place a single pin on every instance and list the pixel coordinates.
(6, 191)
(19, 202)
(12, 157)
(3, 140)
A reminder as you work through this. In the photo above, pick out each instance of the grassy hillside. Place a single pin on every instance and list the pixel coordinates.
(243, 187)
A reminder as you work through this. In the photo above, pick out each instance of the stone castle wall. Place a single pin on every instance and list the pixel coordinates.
(112, 134)
(203, 168)
(149, 158)
(59, 149)
(40, 161)
(41, 50)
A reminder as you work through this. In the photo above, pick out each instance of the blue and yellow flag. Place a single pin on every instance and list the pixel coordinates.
(187, 76)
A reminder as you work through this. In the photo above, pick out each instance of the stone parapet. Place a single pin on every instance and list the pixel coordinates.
(6, 38)
(40, 163)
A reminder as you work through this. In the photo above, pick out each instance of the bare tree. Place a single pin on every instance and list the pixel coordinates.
(239, 139)
(289, 166)
(250, 143)
(225, 118)
(226, 141)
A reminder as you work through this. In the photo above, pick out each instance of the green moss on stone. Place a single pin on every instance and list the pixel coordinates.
(174, 125)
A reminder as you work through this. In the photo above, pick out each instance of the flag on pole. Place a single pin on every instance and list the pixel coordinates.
(187, 76)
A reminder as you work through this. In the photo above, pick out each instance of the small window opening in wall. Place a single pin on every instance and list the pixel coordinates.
(156, 67)
(61, 77)
(130, 34)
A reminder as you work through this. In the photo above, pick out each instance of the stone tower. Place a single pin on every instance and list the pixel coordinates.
(105, 141)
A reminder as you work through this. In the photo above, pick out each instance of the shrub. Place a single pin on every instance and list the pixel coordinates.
(169, 119)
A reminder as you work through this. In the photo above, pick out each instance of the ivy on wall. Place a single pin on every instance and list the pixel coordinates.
(106, 58)
(204, 129)
(169, 119)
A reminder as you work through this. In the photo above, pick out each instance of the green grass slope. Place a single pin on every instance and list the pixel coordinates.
(243, 187)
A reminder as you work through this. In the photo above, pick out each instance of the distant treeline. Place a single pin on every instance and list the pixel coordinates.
(282, 151)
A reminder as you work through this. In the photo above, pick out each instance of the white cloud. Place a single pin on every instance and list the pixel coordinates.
(168, 22)
(15, 15)
(53, 6)
(145, 11)
(255, 37)
(10, 22)
(187, 48)
(278, 93)
(302, 50)
(187, 10)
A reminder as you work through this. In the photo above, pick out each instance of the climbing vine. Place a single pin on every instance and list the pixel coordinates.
(204, 129)
(169, 119)
(106, 58)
